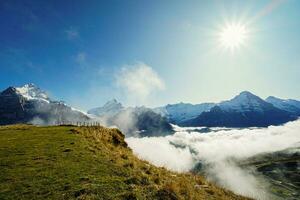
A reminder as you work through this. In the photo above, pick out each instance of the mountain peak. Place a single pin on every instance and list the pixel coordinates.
(112, 104)
(247, 94)
(112, 101)
(9, 91)
(243, 101)
(30, 85)
(111, 107)
(31, 92)
(272, 98)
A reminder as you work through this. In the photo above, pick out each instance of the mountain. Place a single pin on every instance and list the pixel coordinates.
(133, 121)
(110, 108)
(289, 105)
(182, 112)
(29, 104)
(244, 110)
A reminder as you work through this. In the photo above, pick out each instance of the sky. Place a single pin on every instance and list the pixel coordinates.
(149, 52)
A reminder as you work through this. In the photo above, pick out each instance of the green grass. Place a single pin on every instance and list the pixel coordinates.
(65, 162)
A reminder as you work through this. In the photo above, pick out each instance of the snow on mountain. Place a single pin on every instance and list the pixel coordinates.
(245, 101)
(178, 113)
(30, 104)
(183, 112)
(293, 102)
(111, 107)
(289, 105)
(244, 110)
(32, 92)
(26, 103)
(83, 112)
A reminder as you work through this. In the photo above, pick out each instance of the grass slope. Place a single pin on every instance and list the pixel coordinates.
(65, 162)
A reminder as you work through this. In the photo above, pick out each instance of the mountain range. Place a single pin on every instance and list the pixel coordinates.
(30, 104)
(244, 110)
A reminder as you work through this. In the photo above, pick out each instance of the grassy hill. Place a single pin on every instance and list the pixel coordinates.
(66, 162)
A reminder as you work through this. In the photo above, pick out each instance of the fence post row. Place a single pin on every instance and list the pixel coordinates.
(78, 123)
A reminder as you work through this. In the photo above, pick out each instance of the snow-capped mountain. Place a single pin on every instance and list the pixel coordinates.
(32, 92)
(289, 105)
(245, 101)
(30, 104)
(111, 107)
(244, 110)
(181, 112)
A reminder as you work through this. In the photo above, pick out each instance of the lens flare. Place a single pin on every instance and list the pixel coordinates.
(233, 36)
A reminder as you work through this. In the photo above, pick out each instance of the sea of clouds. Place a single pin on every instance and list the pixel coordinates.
(219, 153)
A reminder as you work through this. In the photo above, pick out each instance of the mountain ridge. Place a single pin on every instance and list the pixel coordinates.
(109, 108)
(244, 110)
(289, 105)
(30, 104)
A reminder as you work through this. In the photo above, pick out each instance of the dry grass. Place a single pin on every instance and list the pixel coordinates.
(87, 163)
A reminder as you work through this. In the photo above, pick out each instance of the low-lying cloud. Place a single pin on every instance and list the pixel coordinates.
(219, 153)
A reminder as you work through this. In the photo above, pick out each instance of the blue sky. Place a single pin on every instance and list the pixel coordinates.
(149, 52)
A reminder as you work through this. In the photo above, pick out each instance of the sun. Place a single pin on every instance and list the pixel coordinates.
(233, 36)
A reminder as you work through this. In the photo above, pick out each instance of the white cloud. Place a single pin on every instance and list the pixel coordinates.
(159, 151)
(139, 81)
(72, 33)
(80, 58)
(221, 151)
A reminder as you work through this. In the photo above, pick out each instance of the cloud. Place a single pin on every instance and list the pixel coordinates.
(72, 33)
(220, 153)
(139, 81)
(80, 58)
(159, 151)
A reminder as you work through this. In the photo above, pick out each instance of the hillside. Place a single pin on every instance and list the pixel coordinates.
(66, 162)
